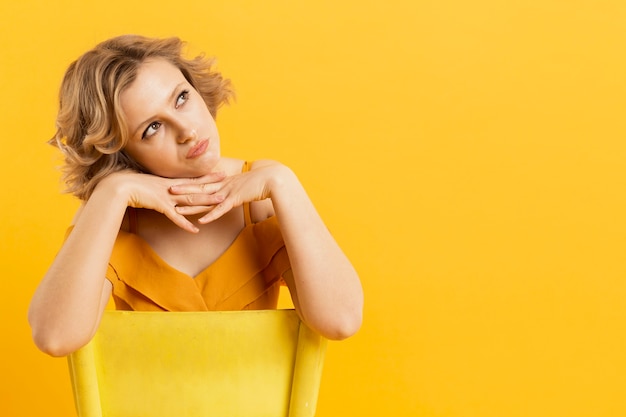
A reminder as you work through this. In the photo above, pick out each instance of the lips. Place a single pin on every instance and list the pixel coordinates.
(198, 149)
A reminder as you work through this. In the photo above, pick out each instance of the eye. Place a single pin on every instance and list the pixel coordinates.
(151, 130)
(182, 98)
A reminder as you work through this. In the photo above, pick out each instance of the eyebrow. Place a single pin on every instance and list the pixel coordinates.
(169, 99)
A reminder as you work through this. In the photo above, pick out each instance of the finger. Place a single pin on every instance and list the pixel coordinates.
(201, 188)
(199, 200)
(215, 213)
(189, 210)
(211, 178)
(181, 221)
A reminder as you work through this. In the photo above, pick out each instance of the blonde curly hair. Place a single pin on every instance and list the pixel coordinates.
(91, 128)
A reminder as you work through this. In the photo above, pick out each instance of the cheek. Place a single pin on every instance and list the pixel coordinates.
(139, 155)
(131, 151)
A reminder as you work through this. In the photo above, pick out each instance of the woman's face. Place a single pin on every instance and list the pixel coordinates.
(172, 133)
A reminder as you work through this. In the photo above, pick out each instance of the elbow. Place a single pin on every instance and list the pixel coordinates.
(341, 326)
(346, 321)
(53, 349)
(56, 345)
(56, 342)
(335, 321)
(345, 329)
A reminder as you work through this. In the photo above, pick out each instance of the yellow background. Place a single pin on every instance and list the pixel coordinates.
(468, 156)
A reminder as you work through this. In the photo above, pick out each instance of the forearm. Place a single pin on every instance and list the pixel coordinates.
(329, 293)
(66, 307)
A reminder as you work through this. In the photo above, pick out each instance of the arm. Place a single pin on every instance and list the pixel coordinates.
(324, 286)
(67, 306)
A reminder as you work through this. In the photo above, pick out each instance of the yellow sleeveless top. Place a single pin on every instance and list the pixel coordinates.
(247, 276)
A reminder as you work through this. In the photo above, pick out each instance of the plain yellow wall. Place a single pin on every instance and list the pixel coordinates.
(468, 155)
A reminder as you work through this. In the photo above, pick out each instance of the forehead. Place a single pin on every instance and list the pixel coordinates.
(155, 82)
(158, 67)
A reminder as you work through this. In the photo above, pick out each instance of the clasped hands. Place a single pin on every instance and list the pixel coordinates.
(213, 195)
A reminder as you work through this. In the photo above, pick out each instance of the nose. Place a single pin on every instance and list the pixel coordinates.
(187, 134)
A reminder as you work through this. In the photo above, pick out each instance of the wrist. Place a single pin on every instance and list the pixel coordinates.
(113, 188)
(283, 182)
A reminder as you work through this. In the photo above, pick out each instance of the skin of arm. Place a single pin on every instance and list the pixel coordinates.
(326, 288)
(66, 307)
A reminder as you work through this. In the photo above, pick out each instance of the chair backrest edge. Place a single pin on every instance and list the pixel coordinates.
(307, 375)
(84, 380)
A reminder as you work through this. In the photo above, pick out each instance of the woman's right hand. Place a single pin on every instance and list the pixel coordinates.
(152, 192)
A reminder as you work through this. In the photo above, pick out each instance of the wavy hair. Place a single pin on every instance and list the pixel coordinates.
(91, 127)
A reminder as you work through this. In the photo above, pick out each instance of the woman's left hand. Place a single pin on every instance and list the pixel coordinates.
(232, 191)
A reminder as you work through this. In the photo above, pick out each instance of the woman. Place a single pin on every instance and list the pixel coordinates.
(167, 223)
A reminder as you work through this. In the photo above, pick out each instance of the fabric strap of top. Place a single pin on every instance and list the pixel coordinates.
(246, 206)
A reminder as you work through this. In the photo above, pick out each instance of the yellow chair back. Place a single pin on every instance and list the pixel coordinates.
(224, 364)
